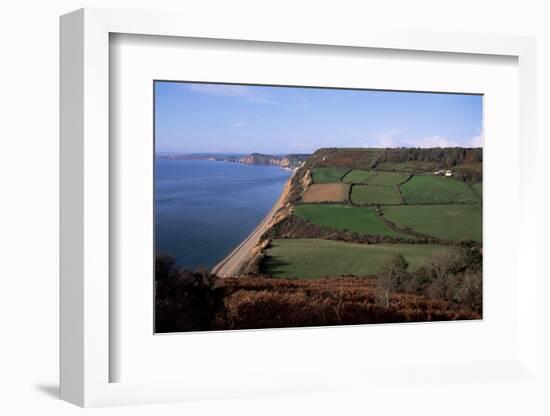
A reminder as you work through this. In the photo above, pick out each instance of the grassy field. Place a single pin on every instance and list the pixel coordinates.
(410, 166)
(375, 178)
(312, 258)
(326, 192)
(344, 217)
(358, 176)
(451, 222)
(328, 175)
(430, 189)
(478, 189)
(367, 194)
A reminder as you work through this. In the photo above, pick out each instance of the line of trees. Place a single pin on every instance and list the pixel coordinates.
(370, 158)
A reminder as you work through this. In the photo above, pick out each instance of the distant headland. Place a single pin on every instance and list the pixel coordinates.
(290, 161)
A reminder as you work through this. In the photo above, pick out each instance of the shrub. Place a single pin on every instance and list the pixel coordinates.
(392, 278)
(456, 279)
(184, 300)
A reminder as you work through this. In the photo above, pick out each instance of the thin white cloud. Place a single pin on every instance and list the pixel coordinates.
(242, 124)
(477, 141)
(223, 90)
(436, 141)
(388, 138)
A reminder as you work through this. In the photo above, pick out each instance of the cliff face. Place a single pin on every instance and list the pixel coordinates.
(261, 159)
(287, 161)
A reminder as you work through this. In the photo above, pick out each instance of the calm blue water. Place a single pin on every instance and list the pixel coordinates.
(204, 209)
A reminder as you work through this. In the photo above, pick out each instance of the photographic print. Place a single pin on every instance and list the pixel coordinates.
(288, 206)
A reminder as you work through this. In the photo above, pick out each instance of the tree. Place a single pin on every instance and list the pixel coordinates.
(391, 278)
(164, 266)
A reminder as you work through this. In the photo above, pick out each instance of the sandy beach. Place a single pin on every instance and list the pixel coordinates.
(233, 263)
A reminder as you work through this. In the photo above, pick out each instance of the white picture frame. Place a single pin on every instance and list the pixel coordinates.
(85, 206)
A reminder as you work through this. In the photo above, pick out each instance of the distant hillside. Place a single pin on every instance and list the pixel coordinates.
(466, 163)
(376, 158)
(290, 160)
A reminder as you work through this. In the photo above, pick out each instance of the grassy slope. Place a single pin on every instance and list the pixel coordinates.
(311, 258)
(453, 222)
(410, 166)
(478, 189)
(359, 176)
(344, 217)
(429, 189)
(328, 175)
(367, 194)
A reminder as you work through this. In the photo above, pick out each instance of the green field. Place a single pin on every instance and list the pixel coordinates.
(328, 175)
(478, 189)
(312, 258)
(456, 222)
(430, 189)
(370, 195)
(358, 176)
(375, 178)
(409, 166)
(362, 220)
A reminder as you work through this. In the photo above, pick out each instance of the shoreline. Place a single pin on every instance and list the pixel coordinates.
(232, 264)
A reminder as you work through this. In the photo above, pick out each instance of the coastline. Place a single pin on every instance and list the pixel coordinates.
(233, 263)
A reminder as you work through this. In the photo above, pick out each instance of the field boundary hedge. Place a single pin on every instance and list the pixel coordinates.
(398, 189)
(345, 174)
(296, 227)
(407, 180)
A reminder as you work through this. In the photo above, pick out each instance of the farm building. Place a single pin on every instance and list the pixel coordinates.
(445, 172)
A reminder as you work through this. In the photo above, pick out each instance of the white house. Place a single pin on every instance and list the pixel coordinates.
(446, 172)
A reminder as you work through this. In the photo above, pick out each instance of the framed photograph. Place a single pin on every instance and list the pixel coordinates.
(287, 206)
(310, 204)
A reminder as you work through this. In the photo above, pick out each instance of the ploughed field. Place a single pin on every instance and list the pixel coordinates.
(329, 192)
(314, 258)
(364, 216)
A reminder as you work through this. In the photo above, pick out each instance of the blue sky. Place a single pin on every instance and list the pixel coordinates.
(192, 117)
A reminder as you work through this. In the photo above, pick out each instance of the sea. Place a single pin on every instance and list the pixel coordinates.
(204, 209)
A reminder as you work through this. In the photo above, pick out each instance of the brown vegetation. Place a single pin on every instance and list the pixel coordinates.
(326, 192)
(448, 289)
(275, 303)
